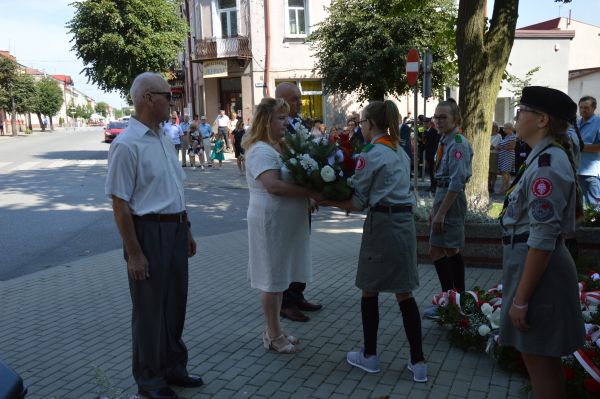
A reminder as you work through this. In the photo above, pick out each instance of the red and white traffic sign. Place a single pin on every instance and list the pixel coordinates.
(412, 67)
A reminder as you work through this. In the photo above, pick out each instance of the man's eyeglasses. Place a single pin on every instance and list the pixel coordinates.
(525, 110)
(364, 120)
(439, 117)
(167, 95)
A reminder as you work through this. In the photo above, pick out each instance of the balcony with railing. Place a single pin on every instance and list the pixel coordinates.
(226, 47)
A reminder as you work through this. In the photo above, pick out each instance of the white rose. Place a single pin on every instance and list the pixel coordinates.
(327, 174)
(293, 161)
(487, 309)
(593, 308)
(484, 330)
(494, 318)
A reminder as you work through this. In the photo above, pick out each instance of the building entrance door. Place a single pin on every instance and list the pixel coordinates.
(231, 96)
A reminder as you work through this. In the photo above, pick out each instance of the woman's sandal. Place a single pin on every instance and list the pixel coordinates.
(269, 343)
(293, 340)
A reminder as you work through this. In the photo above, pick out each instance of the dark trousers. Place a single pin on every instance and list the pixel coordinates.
(224, 130)
(293, 295)
(159, 304)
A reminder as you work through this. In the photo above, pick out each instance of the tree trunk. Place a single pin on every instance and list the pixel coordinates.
(482, 58)
(41, 122)
(51, 124)
(13, 117)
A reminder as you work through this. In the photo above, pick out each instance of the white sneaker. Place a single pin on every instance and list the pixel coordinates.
(368, 364)
(419, 371)
(431, 313)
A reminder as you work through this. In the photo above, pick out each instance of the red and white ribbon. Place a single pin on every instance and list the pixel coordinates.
(590, 298)
(587, 364)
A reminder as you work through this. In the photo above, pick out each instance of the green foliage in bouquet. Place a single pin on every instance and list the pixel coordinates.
(316, 163)
(467, 326)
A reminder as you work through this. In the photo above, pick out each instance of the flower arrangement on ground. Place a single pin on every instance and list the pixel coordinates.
(317, 164)
(474, 321)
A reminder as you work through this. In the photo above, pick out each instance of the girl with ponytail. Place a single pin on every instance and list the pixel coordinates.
(388, 252)
(541, 315)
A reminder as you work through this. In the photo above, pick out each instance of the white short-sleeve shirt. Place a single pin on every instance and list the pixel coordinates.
(143, 169)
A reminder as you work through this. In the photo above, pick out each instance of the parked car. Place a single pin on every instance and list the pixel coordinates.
(112, 130)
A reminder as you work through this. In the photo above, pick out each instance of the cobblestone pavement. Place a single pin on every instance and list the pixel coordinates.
(59, 326)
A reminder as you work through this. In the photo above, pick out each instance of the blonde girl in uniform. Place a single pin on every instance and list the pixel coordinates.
(447, 217)
(541, 315)
(388, 252)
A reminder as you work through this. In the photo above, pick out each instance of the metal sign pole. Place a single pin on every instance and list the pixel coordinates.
(416, 132)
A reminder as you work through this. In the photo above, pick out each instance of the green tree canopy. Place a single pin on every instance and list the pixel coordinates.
(361, 47)
(102, 108)
(119, 39)
(48, 97)
(15, 85)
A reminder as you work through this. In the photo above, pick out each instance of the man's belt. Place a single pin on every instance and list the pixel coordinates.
(180, 217)
(392, 208)
(442, 184)
(515, 239)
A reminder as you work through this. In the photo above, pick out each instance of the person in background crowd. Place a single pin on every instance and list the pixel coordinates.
(218, 151)
(493, 164)
(195, 146)
(453, 170)
(233, 119)
(388, 251)
(522, 150)
(589, 166)
(334, 134)
(294, 302)
(222, 123)
(541, 309)
(173, 130)
(319, 129)
(185, 139)
(405, 141)
(145, 183)
(356, 136)
(278, 231)
(238, 134)
(206, 133)
(431, 140)
(506, 155)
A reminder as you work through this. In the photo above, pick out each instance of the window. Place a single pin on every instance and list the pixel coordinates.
(227, 12)
(296, 18)
(312, 97)
(197, 27)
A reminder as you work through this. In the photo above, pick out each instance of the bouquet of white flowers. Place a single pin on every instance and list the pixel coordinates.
(316, 163)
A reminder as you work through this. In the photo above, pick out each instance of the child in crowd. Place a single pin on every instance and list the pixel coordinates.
(218, 150)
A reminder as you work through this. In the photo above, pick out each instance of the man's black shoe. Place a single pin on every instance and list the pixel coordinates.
(159, 393)
(308, 307)
(293, 314)
(189, 381)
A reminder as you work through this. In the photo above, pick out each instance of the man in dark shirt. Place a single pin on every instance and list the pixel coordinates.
(431, 139)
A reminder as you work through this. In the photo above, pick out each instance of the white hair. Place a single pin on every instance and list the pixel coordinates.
(143, 83)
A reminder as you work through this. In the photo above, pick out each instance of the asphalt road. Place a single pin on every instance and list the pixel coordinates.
(53, 208)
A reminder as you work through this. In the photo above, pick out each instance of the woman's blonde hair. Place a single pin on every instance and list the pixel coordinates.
(385, 115)
(263, 116)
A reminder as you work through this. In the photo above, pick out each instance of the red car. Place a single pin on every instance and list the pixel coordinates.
(112, 130)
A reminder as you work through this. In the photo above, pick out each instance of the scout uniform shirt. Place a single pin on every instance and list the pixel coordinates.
(542, 202)
(453, 162)
(382, 175)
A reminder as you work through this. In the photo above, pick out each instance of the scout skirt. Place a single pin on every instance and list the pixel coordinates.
(388, 253)
(554, 315)
(454, 223)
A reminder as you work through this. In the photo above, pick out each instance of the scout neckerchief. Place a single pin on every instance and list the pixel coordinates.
(438, 155)
(520, 174)
(386, 140)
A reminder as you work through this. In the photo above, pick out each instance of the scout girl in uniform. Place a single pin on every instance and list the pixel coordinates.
(447, 218)
(388, 255)
(541, 314)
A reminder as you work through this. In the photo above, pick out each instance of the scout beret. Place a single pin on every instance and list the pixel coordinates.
(551, 101)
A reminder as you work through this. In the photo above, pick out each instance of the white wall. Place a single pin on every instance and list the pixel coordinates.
(588, 85)
(585, 47)
(528, 53)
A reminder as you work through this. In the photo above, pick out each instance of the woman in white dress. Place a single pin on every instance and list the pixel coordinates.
(278, 231)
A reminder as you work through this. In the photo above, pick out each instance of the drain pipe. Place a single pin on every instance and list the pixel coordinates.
(268, 46)
(190, 74)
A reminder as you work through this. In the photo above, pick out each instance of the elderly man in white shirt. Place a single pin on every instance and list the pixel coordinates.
(222, 123)
(145, 183)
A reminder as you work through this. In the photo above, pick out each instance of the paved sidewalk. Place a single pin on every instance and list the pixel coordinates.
(57, 325)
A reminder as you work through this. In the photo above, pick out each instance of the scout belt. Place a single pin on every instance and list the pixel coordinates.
(515, 239)
(392, 208)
